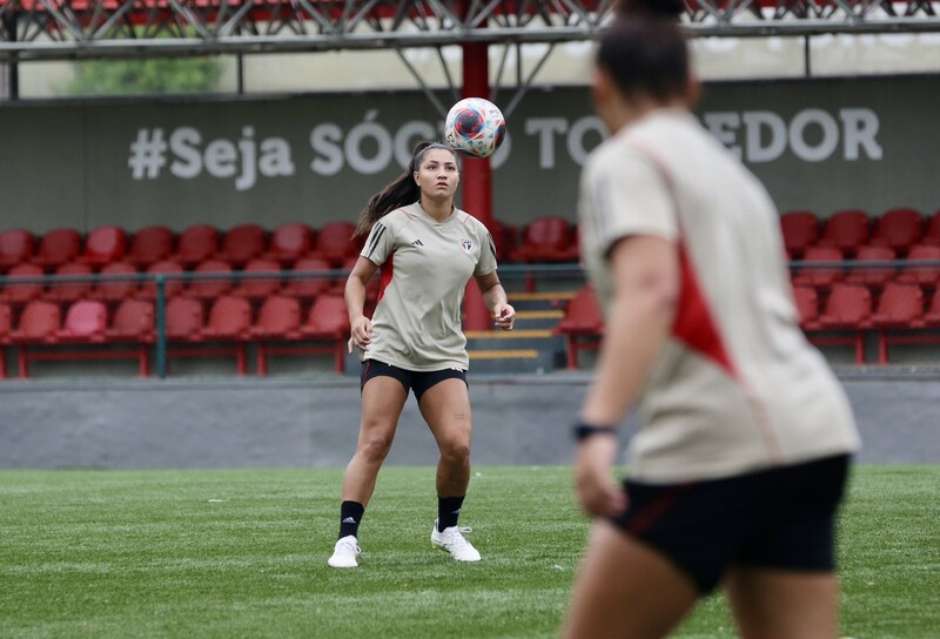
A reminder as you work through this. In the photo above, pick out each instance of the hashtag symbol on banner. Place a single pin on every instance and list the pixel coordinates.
(148, 154)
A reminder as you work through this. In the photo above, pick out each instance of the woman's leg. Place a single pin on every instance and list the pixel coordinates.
(446, 408)
(780, 604)
(626, 589)
(382, 401)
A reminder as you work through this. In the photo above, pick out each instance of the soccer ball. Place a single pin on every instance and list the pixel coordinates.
(475, 126)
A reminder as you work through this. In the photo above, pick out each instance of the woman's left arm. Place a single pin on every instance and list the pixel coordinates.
(494, 296)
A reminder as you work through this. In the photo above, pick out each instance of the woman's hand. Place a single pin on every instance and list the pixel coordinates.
(360, 333)
(598, 493)
(504, 316)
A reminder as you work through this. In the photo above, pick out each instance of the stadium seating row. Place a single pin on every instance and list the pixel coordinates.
(550, 239)
(278, 328)
(848, 231)
(901, 314)
(872, 276)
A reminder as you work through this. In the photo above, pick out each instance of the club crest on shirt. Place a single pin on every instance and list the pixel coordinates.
(467, 245)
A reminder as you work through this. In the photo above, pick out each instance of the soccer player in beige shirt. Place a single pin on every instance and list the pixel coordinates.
(745, 438)
(427, 250)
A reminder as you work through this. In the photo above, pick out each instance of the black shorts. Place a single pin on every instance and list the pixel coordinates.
(416, 381)
(778, 518)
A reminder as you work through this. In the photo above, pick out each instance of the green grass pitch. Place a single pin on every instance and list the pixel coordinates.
(243, 554)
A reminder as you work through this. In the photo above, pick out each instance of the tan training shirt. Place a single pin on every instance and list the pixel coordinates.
(426, 265)
(736, 387)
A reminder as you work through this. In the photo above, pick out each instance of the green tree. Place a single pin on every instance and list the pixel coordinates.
(147, 76)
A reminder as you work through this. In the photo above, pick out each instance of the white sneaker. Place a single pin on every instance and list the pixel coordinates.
(345, 553)
(453, 541)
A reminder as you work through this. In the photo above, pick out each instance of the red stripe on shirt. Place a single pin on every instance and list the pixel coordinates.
(694, 325)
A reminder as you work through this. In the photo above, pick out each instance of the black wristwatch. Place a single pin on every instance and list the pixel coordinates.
(583, 430)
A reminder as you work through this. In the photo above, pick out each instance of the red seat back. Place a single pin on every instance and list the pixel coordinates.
(328, 315)
(849, 304)
(172, 288)
(932, 234)
(505, 238)
(800, 230)
(6, 320)
(548, 232)
(40, 320)
(819, 276)
(184, 318)
(335, 242)
(206, 289)
(807, 304)
(279, 315)
(258, 288)
(872, 276)
(900, 303)
(476, 317)
(117, 290)
(290, 242)
(58, 247)
(230, 317)
(133, 318)
(20, 293)
(846, 230)
(197, 244)
(16, 246)
(243, 243)
(899, 229)
(150, 245)
(308, 287)
(583, 313)
(71, 291)
(923, 275)
(105, 244)
(85, 319)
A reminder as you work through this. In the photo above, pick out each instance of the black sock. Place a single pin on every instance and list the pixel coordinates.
(448, 510)
(350, 514)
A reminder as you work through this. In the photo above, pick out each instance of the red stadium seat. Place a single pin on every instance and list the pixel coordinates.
(823, 277)
(506, 238)
(875, 277)
(335, 243)
(242, 243)
(103, 245)
(210, 288)
(230, 322)
(582, 325)
(899, 318)
(290, 242)
(932, 234)
(150, 245)
(133, 321)
(807, 307)
(58, 247)
(311, 286)
(172, 287)
(185, 319)
(260, 288)
(86, 321)
(848, 310)
(846, 231)
(921, 275)
(547, 239)
(899, 229)
(279, 318)
(114, 291)
(39, 324)
(327, 321)
(22, 293)
(800, 231)
(932, 316)
(328, 318)
(6, 327)
(71, 291)
(16, 247)
(196, 244)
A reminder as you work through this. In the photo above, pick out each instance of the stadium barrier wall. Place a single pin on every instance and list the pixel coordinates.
(822, 144)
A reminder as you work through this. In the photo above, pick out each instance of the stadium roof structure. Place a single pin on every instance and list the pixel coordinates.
(66, 29)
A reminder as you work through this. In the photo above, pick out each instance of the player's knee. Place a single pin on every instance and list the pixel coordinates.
(374, 448)
(455, 450)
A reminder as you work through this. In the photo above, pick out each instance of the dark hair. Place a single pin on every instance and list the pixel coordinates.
(402, 191)
(644, 51)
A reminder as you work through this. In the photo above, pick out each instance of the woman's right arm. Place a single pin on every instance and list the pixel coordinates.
(360, 325)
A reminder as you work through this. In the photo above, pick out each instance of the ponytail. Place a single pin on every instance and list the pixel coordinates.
(401, 192)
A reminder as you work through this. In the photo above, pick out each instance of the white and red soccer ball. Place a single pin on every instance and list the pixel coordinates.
(475, 126)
